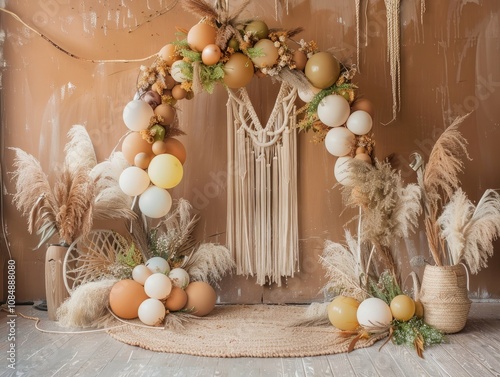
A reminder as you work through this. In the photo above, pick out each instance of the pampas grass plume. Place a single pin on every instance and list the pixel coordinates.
(87, 305)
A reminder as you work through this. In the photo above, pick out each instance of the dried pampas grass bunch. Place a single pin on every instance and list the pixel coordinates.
(87, 306)
(389, 210)
(457, 230)
(79, 195)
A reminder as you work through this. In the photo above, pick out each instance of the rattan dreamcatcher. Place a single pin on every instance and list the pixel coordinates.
(100, 254)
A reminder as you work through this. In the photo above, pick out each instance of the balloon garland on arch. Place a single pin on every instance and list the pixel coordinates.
(221, 49)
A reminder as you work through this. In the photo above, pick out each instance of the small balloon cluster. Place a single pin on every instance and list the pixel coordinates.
(155, 156)
(155, 290)
(348, 314)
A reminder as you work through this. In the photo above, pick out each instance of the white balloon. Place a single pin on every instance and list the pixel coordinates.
(176, 72)
(140, 273)
(339, 141)
(158, 286)
(134, 181)
(342, 172)
(308, 94)
(333, 110)
(359, 122)
(179, 277)
(152, 312)
(374, 312)
(158, 264)
(137, 115)
(155, 202)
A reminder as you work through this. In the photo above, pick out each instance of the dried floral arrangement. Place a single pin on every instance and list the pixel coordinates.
(457, 230)
(172, 240)
(83, 191)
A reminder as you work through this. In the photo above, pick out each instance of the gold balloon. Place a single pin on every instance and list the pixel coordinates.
(258, 28)
(269, 53)
(322, 70)
(238, 71)
(342, 313)
(402, 307)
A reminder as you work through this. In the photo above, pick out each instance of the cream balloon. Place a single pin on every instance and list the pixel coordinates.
(179, 277)
(339, 141)
(152, 312)
(155, 202)
(158, 286)
(176, 71)
(333, 110)
(158, 264)
(308, 94)
(137, 114)
(359, 122)
(140, 273)
(134, 181)
(374, 312)
(342, 171)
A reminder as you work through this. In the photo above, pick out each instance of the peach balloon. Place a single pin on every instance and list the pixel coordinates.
(134, 144)
(125, 298)
(201, 298)
(178, 92)
(300, 60)
(174, 147)
(169, 54)
(142, 160)
(200, 36)
(363, 104)
(211, 54)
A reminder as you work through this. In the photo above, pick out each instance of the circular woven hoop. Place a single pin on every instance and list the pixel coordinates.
(445, 298)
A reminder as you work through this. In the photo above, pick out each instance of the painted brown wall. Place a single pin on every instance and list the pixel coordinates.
(449, 66)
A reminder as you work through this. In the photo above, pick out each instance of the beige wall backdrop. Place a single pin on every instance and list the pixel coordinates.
(449, 66)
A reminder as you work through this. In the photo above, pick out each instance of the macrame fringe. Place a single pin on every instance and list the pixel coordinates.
(262, 225)
(393, 52)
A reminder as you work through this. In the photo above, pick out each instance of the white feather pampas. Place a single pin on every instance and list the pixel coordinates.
(470, 231)
(87, 306)
(209, 263)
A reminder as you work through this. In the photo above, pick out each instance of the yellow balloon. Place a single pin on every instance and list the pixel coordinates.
(165, 171)
(342, 313)
(402, 307)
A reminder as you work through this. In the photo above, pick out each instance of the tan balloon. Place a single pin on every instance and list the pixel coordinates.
(300, 59)
(142, 160)
(201, 298)
(201, 35)
(269, 53)
(363, 104)
(167, 112)
(322, 70)
(238, 71)
(178, 92)
(174, 147)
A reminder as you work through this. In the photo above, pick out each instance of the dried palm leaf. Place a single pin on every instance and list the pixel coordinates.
(469, 231)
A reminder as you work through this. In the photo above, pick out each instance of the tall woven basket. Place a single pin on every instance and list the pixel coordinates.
(444, 296)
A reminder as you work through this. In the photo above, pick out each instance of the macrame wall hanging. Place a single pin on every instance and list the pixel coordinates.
(262, 224)
(393, 9)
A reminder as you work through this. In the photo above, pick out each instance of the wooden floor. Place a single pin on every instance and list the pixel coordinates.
(473, 352)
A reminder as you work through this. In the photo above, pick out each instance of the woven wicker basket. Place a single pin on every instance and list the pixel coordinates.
(445, 298)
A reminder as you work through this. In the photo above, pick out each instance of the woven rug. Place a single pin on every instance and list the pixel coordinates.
(243, 331)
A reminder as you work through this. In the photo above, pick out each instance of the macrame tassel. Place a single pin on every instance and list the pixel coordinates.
(262, 221)
(358, 6)
(393, 52)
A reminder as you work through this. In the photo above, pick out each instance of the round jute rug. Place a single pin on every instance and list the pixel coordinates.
(243, 331)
